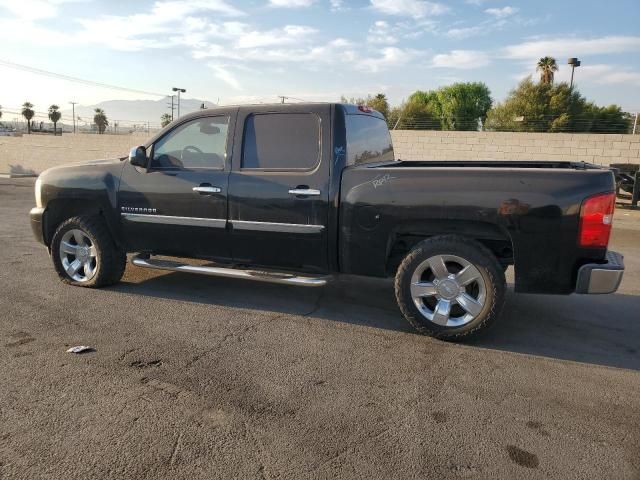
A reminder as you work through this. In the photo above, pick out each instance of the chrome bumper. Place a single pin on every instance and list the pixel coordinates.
(601, 277)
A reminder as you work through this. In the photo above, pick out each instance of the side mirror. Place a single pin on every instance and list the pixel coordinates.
(138, 156)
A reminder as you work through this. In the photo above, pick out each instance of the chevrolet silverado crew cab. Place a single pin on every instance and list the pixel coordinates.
(298, 193)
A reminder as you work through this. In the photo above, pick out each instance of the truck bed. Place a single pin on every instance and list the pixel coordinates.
(533, 208)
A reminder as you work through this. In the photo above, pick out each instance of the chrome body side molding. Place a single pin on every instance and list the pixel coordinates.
(169, 220)
(276, 227)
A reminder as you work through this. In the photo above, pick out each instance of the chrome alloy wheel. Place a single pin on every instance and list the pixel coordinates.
(78, 255)
(448, 290)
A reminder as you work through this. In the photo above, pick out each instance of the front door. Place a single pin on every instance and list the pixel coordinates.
(279, 188)
(178, 204)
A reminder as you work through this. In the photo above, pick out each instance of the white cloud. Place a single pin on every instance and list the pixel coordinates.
(183, 8)
(381, 32)
(337, 5)
(597, 74)
(290, 34)
(390, 57)
(561, 47)
(30, 10)
(409, 8)
(291, 3)
(335, 51)
(223, 73)
(462, 33)
(501, 12)
(602, 74)
(461, 59)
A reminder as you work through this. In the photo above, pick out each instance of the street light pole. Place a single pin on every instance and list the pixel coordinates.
(574, 62)
(73, 109)
(179, 90)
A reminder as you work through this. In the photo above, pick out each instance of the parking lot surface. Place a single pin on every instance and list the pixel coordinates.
(201, 377)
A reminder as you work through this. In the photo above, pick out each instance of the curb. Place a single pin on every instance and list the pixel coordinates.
(18, 175)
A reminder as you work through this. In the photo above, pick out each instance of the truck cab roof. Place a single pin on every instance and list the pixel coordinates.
(349, 109)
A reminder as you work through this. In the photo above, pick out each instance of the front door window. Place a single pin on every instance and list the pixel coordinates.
(200, 143)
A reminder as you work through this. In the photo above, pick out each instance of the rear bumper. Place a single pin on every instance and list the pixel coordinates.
(605, 277)
(36, 216)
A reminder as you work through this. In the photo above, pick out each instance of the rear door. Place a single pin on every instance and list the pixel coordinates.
(279, 187)
(178, 204)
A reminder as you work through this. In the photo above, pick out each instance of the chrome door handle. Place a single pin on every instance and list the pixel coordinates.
(207, 189)
(304, 191)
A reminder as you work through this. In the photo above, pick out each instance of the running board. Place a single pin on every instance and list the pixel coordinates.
(257, 275)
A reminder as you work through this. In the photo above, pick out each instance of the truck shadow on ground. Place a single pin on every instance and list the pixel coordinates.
(601, 330)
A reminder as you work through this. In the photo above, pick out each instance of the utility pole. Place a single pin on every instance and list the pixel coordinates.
(73, 108)
(282, 97)
(179, 90)
(635, 124)
(172, 107)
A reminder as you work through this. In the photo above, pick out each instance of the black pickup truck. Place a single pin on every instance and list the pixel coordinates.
(296, 193)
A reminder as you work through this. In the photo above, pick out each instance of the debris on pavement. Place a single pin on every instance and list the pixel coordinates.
(81, 349)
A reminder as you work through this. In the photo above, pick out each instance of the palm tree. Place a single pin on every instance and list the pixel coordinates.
(100, 119)
(165, 119)
(28, 113)
(547, 66)
(54, 116)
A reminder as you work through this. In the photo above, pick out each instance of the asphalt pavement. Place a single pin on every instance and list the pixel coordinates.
(199, 378)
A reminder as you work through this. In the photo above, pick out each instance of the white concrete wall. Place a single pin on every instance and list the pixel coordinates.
(35, 153)
(602, 149)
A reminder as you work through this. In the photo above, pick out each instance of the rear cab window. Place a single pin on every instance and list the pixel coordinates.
(368, 139)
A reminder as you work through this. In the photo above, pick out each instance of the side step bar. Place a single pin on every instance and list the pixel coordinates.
(257, 275)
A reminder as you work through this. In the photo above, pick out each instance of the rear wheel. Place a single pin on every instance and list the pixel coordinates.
(450, 287)
(84, 253)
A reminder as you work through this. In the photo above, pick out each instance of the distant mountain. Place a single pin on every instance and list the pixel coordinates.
(129, 112)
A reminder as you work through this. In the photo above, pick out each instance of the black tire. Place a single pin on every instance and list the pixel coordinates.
(491, 278)
(109, 260)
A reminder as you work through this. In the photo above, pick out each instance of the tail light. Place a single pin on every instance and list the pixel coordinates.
(596, 218)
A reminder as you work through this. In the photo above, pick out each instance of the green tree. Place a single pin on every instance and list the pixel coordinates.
(460, 106)
(0, 111)
(353, 100)
(544, 107)
(165, 120)
(547, 67)
(379, 103)
(414, 114)
(100, 119)
(54, 116)
(28, 113)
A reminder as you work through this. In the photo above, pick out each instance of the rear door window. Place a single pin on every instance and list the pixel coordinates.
(281, 141)
(368, 140)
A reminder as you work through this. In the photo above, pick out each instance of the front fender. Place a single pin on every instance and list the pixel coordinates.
(82, 189)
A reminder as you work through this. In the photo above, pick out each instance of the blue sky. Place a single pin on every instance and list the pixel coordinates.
(312, 49)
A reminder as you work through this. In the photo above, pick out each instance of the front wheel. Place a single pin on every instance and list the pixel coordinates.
(450, 287)
(84, 253)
